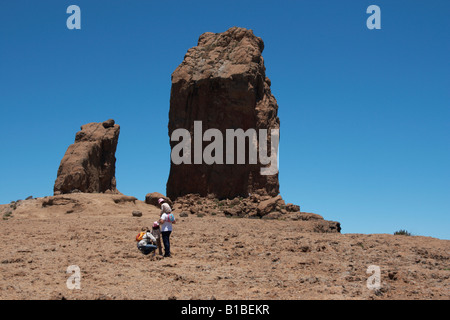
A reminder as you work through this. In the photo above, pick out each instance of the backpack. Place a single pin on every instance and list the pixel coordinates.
(140, 236)
(171, 217)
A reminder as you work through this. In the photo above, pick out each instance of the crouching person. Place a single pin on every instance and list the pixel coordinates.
(146, 241)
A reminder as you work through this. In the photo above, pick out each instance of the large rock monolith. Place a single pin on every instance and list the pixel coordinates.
(89, 164)
(222, 83)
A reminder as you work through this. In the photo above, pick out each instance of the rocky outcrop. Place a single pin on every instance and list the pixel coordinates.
(255, 207)
(89, 164)
(222, 83)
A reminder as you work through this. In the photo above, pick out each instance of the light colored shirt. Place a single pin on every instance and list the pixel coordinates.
(165, 208)
(167, 225)
(147, 239)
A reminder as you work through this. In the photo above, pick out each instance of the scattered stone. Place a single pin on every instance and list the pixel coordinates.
(137, 214)
(233, 211)
(193, 210)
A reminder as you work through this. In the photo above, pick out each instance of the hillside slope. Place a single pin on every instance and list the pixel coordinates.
(214, 257)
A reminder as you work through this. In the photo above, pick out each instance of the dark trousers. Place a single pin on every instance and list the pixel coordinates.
(166, 241)
(147, 248)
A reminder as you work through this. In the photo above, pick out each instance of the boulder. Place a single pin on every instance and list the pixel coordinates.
(108, 123)
(136, 213)
(233, 211)
(326, 226)
(152, 198)
(292, 208)
(267, 206)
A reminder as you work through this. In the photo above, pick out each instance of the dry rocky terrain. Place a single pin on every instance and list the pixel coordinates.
(214, 256)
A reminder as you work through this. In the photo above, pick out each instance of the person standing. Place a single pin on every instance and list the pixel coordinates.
(166, 226)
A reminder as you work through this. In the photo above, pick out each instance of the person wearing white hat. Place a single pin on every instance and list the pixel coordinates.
(165, 225)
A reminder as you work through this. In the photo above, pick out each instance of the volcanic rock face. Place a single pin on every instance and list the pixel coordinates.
(222, 83)
(89, 165)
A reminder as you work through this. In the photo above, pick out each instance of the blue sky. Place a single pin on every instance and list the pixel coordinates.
(364, 113)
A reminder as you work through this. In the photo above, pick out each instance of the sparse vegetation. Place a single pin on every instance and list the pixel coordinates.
(13, 205)
(7, 215)
(402, 233)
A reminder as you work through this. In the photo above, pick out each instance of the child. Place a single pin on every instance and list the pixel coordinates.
(156, 232)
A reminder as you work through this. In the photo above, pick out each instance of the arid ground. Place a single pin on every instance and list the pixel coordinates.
(214, 257)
